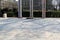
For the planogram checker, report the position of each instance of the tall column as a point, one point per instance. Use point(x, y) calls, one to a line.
point(0, 4)
point(43, 8)
point(31, 8)
point(20, 8)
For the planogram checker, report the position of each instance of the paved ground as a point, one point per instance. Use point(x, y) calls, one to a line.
point(30, 29)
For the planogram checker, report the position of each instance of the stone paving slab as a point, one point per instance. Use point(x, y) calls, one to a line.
point(30, 29)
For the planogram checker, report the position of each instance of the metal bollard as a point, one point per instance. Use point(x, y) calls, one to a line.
point(5, 15)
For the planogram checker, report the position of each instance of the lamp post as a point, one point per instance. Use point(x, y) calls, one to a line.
point(55, 3)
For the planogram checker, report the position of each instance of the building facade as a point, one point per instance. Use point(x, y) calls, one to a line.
point(44, 8)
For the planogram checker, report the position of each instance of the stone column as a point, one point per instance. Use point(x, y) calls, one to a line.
point(43, 8)
point(31, 8)
point(20, 8)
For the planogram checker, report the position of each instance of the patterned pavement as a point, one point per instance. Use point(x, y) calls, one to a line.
point(30, 29)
